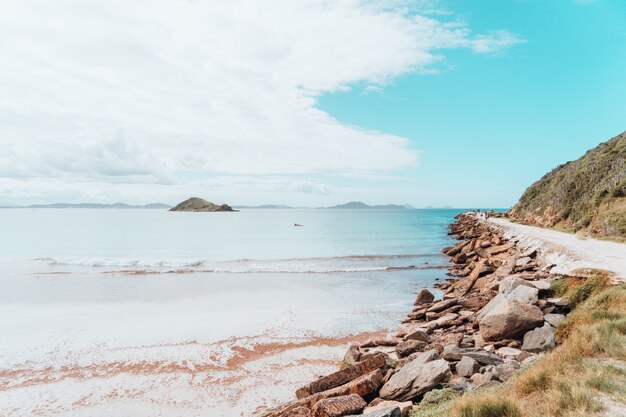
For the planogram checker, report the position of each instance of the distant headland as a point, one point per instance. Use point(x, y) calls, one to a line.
point(361, 205)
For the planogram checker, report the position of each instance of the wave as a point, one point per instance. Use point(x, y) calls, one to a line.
point(339, 264)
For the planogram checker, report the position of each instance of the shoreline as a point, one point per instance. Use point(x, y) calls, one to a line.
point(496, 316)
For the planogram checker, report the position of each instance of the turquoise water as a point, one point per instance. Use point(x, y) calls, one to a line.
point(234, 273)
point(247, 241)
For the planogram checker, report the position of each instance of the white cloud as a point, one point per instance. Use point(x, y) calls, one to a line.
point(138, 92)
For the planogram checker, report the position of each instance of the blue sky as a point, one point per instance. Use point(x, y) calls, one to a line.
point(488, 127)
point(304, 102)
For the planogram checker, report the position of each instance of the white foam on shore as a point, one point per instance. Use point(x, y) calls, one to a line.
point(179, 346)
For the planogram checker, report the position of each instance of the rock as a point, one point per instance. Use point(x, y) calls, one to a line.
point(554, 319)
point(495, 301)
point(352, 356)
point(423, 297)
point(451, 352)
point(478, 340)
point(524, 294)
point(474, 302)
point(338, 406)
point(510, 283)
point(407, 347)
point(445, 321)
point(384, 412)
point(414, 379)
point(522, 262)
point(442, 305)
point(540, 284)
point(479, 380)
point(418, 334)
point(467, 367)
point(297, 412)
point(508, 352)
point(523, 356)
point(424, 357)
point(504, 371)
point(403, 407)
point(199, 204)
point(506, 268)
point(343, 376)
point(540, 339)
point(495, 250)
point(510, 319)
point(385, 342)
point(557, 302)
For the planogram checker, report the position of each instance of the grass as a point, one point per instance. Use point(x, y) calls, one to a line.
point(435, 403)
point(568, 381)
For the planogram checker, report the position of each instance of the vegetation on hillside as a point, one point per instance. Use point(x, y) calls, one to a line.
point(587, 194)
point(584, 376)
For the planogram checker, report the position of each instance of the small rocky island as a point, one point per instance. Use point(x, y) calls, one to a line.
point(200, 204)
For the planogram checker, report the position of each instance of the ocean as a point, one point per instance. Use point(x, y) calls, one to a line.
point(150, 312)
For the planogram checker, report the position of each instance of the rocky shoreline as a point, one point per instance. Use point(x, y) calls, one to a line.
point(496, 316)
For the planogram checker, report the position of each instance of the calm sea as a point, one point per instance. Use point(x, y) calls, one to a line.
point(89, 293)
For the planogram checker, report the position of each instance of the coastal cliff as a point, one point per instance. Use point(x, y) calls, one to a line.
point(200, 205)
point(588, 194)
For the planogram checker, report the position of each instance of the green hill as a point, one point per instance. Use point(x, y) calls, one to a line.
point(587, 194)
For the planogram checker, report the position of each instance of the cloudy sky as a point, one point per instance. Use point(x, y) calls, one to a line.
point(304, 102)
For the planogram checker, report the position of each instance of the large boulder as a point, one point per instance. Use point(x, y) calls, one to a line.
point(415, 378)
point(338, 406)
point(510, 320)
point(540, 339)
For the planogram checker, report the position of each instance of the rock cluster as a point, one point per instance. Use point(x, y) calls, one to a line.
point(492, 320)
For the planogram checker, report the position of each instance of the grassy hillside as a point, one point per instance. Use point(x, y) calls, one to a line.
point(587, 194)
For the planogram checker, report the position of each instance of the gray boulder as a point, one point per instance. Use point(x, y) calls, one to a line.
point(554, 319)
point(467, 367)
point(540, 339)
point(524, 294)
point(414, 379)
point(509, 320)
point(508, 284)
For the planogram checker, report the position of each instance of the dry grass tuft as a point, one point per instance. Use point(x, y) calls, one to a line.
point(567, 382)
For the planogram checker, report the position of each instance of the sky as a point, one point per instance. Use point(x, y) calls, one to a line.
point(459, 103)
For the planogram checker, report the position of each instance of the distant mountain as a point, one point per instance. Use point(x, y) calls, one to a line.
point(200, 205)
point(99, 206)
point(361, 205)
point(265, 206)
point(587, 194)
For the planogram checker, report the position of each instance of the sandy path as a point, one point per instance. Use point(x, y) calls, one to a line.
point(567, 251)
